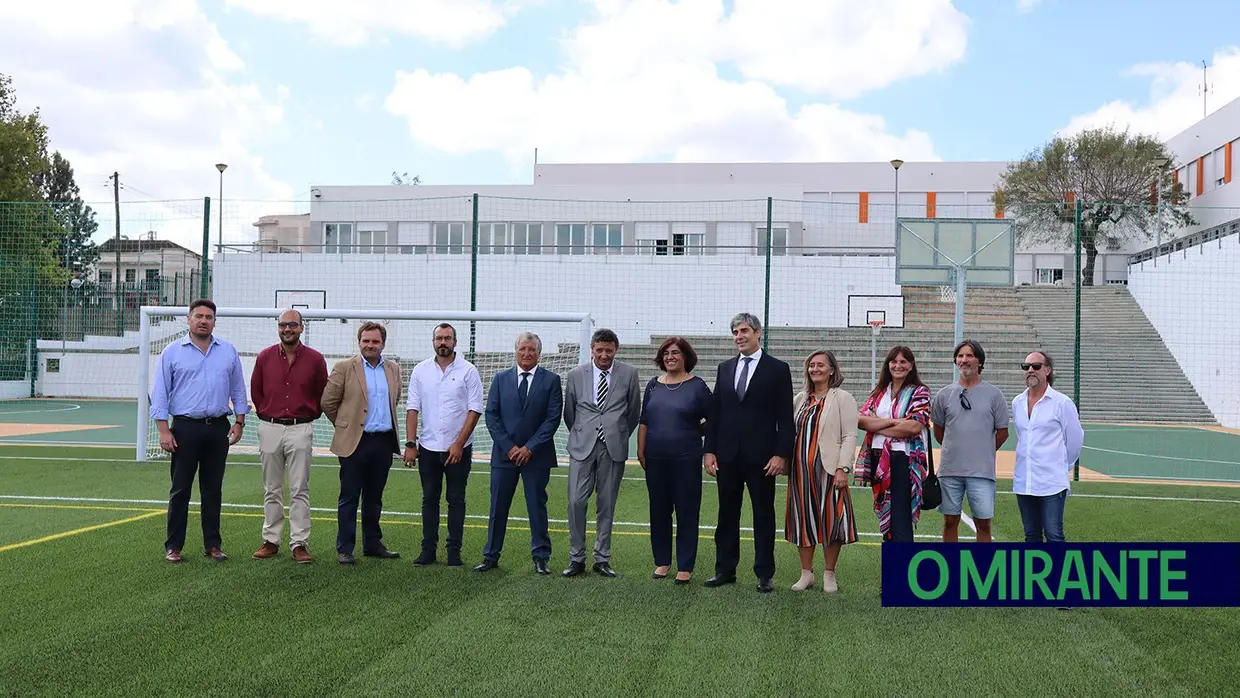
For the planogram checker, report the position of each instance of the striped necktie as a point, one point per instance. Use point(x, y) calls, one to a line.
point(602, 399)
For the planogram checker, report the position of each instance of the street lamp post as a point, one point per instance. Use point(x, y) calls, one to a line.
point(895, 164)
point(220, 241)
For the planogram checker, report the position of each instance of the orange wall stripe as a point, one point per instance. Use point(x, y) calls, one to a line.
point(998, 204)
point(863, 209)
point(1227, 164)
point(930, 204)
point(1201, 175)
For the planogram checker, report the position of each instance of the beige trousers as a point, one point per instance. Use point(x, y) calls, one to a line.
point(286, 452)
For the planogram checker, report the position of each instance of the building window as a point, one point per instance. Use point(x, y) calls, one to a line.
point(492, 238)
point(372, 238)
point(608, 238)
point(105, 277)
point(1049, 277)
point(449, 238)
point(570, 238)
point(688, 243)
point(527, 238)
point(337, 238)
point(779, 241)
point(131, 275)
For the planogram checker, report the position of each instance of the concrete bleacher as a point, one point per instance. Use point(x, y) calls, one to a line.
point(1009, 323)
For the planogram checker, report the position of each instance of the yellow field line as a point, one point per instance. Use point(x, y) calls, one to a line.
point(398, 522)
point(76, 531)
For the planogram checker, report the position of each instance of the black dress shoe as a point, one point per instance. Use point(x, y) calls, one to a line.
point(540, 567)
point(574, 569)
point(766, 586)
point(427, 557)
point(487, 565)
point(345, 558)
point(454, 558)
point(720, 579)
point(605, 569)
point(381, 552)
point(678, 580)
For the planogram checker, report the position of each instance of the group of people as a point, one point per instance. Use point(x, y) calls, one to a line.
point(747, 428)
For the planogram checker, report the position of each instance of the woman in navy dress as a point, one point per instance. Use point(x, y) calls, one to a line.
point(669, 448)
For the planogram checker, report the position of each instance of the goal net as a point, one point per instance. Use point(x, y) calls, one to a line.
point(486, 339)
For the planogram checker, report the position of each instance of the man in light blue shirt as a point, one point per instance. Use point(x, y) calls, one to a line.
point(198, 383)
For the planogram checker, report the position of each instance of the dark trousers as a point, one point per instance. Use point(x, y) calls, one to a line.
point(433, 470)
point(733, 479)
point(503, 487)
point(674, 485)
point(901, 529)
point(202, 448)
point(363, 476)
point(1042, 515)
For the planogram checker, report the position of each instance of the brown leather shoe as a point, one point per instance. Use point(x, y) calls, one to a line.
point(216, 554)
point(268, 550)
point(173, 555)
point(301, 555)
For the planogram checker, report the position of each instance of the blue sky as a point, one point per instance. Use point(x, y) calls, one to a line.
point(297, 93)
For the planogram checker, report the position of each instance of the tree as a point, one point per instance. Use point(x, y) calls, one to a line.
point(72, 244)
point(23, 148)
point(1113, 174)
point(401, 179)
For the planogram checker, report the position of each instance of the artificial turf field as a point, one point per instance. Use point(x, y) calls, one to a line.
point(98, 611)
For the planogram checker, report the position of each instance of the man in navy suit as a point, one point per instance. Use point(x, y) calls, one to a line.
point(750, 437)
point(522, 414)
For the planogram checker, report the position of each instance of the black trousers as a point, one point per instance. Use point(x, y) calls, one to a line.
point(433, 469)
point(363, 476)
point(734, 478)
point(202, 448)
point(901, 529)
point(674, 485)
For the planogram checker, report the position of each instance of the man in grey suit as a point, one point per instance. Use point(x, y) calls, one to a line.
point(602, 403)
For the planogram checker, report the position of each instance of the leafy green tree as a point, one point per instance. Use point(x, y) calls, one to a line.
point(1113, 174)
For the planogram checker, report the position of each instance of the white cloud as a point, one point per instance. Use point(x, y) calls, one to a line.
point(1175, 97)
point(1025, 6)
point(643, 81)
point(356, 22)
point(148, 89)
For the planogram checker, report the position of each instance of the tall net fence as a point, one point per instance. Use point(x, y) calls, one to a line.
point(814, 271)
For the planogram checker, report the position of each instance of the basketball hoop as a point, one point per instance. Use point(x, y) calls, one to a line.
point(876, 325)
point(876, 319)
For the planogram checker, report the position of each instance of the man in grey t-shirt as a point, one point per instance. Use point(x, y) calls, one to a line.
point(971, 422)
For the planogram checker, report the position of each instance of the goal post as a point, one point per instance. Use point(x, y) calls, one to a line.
point(333, 332)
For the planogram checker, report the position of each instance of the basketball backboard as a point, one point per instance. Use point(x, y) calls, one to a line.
point(301, 299)
point(863, 309)
point(929, 250)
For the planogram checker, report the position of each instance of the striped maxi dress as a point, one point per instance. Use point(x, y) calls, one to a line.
point(811, 518)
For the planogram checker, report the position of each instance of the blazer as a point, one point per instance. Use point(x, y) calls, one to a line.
point(837, 429)
point(760, 426)
point(619, 416)
point(344, 403)
point(532, 426)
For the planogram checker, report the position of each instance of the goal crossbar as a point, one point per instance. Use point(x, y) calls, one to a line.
point(585, 321)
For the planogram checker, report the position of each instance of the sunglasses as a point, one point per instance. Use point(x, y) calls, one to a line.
point(964, 401)
point(1026, 367)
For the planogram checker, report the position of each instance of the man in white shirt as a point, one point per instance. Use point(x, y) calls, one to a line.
point(1049, 439)
point(446, 392)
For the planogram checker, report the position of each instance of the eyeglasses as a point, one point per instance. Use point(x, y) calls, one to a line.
point(288, 325)
point(1026, 367)
point(964, 401)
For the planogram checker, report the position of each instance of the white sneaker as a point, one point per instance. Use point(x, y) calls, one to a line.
point(828, 582)
point(806, 580)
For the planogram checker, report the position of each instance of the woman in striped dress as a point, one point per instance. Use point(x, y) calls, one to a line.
point(819, 508)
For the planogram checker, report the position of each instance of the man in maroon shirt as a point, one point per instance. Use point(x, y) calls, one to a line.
point(288, 382)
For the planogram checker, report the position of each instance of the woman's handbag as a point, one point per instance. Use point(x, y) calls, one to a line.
point(931, 494)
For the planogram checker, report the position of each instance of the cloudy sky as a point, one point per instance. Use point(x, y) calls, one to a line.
point(296, 93)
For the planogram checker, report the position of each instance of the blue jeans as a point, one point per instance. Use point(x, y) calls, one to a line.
point(1042, 515)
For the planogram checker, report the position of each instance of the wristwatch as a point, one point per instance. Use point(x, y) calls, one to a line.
point(411, 444)
point(847, 469)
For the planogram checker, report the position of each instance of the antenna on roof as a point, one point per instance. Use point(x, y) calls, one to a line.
point(1204, 88)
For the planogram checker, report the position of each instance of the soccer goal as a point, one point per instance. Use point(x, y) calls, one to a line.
point(486, 339)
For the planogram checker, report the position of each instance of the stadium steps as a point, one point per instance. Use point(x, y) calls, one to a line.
point(1127, 372)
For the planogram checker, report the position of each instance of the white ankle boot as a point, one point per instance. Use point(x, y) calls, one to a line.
point(828, 582)
point(806, 580)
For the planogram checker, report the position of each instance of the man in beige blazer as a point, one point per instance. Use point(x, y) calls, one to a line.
point(360, 402)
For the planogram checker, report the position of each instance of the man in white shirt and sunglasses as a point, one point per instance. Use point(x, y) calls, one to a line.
point(1049, 439)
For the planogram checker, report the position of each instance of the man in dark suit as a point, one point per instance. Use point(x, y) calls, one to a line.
point(523, 413)
point(750, 437)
